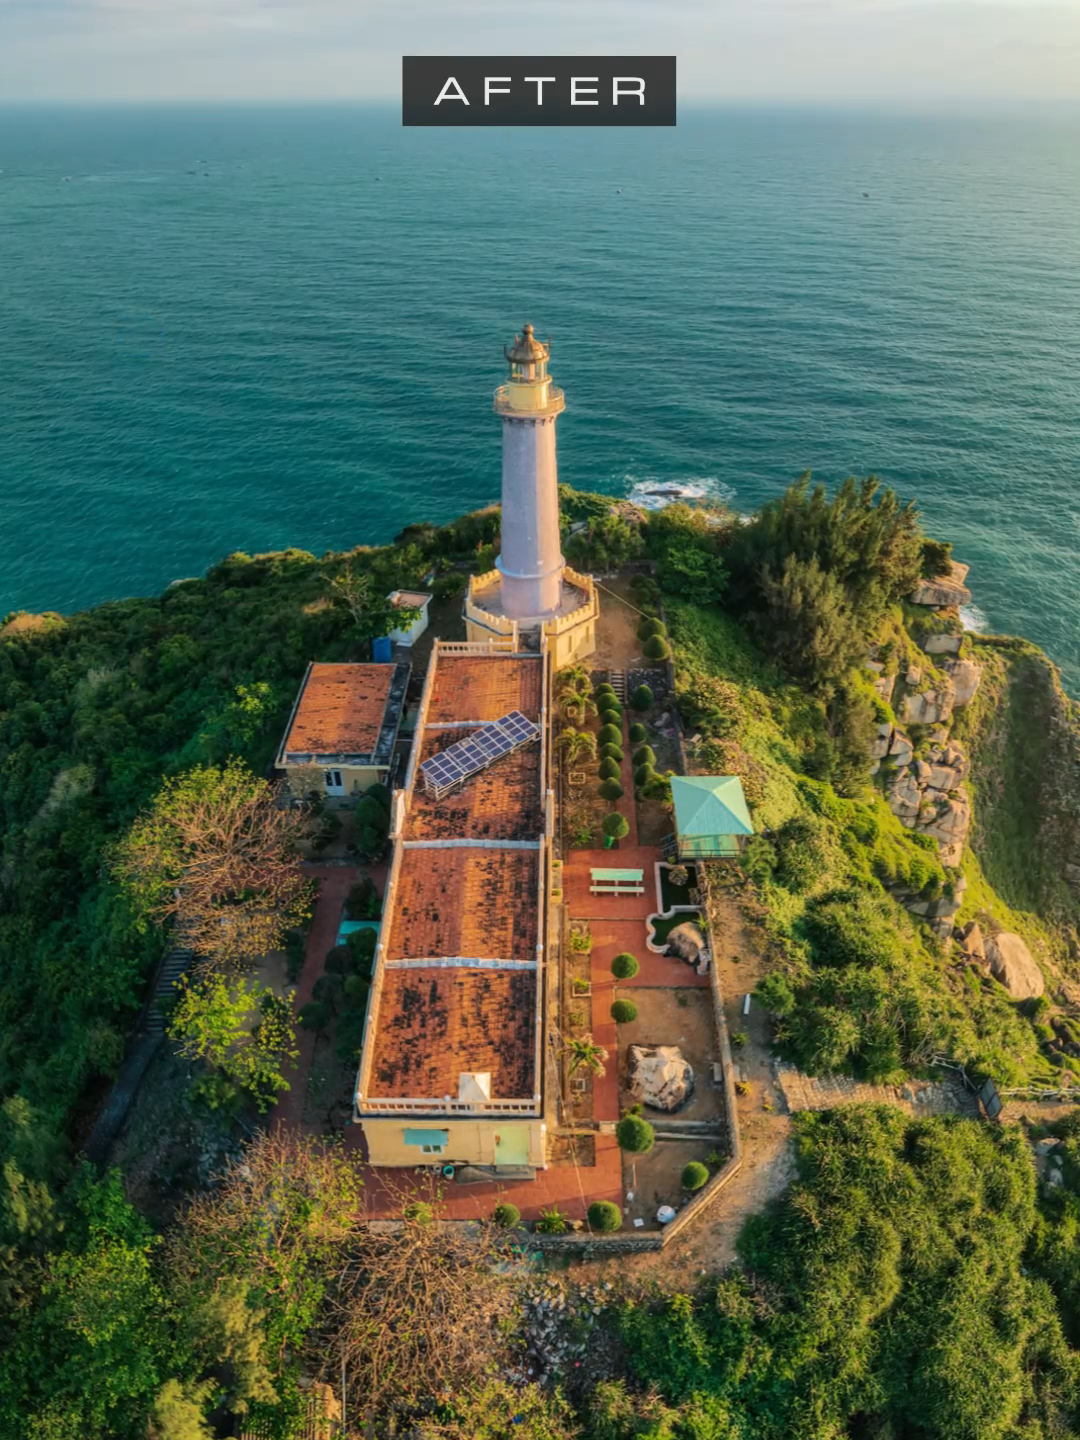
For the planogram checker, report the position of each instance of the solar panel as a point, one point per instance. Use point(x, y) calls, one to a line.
point(478, 750)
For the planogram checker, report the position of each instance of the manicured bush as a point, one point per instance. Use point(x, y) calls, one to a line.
point(295, 954)
point(379, 793)
point(635, 1135)
point(642, 698)
point(419, 1212)
point(645, 755)
point(657, 648)
point(315, 1015)
point(616, 826)
point(644, 775)
point(611, 790)
point(601, 690)
point(694, 1175)
point(611, 715)
point(506, 1215)
point(610, 769)
point(338, 960)
point(356, 990)
point(625, 966)
point(623, 1012)
point(361, 947)
point(648, 628)
point(609, 735)
point(611, 751)
point(328, 990)
point(362, 902)
point(637, 733)
point(604, 1216)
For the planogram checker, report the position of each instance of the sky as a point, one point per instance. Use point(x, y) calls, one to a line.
point(912, 53)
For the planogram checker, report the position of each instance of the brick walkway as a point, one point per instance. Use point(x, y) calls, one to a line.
point(335, 882)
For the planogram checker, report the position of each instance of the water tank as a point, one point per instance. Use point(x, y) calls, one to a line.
point(382, 649)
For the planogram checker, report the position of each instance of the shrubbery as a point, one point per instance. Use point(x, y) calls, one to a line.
point(694, 1175)
point(623, 1012)
point(625, 966)
point(635, 1135)
point(604, 1216)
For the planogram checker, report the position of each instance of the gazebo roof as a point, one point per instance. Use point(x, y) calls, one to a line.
point(710, 805)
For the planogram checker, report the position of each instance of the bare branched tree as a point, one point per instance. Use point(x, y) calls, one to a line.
point(217, 853)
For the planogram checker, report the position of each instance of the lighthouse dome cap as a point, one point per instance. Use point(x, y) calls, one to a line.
point(526, 349)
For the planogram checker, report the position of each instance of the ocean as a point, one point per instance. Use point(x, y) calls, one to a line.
point(244, 329)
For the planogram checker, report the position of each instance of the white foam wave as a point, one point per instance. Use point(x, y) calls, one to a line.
point(972, 618)
point(652, 493)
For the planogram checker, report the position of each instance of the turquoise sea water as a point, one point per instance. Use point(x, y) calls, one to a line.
point(246, 329)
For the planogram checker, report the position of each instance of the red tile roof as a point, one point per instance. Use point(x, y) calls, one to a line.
point(340, 711)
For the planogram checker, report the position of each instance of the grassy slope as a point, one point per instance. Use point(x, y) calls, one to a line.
point(942, 1008)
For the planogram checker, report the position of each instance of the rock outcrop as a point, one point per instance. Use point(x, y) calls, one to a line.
point(949, 824)
point(964, 676)
point(944, 591)
point(972, 942)
point(1013, 965)
point(929, 707)
point(943, 644)
point(686, 942)
point(924, 794)
point(659, 1076)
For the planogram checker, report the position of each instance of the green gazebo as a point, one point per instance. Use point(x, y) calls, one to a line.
point(711, 818)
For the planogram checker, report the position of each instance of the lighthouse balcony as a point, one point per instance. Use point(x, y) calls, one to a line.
point(570, 630)
point(529, 399)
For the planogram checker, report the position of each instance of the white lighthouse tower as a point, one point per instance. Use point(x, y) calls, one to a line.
point(532, 592)
point(531, 562)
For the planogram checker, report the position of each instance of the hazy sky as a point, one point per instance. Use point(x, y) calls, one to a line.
point(919, 52)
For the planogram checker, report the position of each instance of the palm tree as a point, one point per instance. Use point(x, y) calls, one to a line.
point(575, 678)
point(585, 1055)
point(574, 745)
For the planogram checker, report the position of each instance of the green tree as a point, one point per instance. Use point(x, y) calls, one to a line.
point(241, 1028)
point(635, 1135)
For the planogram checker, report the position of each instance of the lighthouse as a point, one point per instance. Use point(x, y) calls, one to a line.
point(530, 562)
point(531, 593)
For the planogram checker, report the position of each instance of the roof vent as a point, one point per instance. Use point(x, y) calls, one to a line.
point(474, 1085)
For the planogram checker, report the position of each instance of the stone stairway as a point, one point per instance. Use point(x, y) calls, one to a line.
point(809, 1092)
point(617, 681)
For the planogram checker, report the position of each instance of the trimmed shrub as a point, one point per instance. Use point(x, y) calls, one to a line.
point(612, 717)
point(646, 755)
point(605, 689)
point(623, 1012)
point(356, 990)
point(637, 733)
point(611, 790)
point(625, 966)
point(295, 954)
point(616, 825)
point(694, 1175)
point(610, 769)
point(609, 735)
point(338, 960)
point(648, 628)
point(328, 990)
point(657, 648)
point(611, 751)
point(644, 775)
point(604, 1216)
point(642, 698)
point(362, 902)
point(635, 1135)
point(381, 794)
point(361, 947)
point(506, 1215)
point(314, 1015)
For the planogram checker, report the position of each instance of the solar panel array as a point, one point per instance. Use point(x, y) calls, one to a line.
point(468, 757)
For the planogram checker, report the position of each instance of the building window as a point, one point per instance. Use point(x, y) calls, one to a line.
point(334, 783)
point(431, 1149)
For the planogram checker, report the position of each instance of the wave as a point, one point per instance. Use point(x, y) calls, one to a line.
point(653, 493)
point(972, 618)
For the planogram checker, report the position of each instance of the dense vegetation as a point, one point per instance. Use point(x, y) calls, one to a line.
point(911, 1283)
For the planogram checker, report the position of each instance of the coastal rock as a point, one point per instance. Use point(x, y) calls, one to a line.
point(941, 777)
point(944, 591)
point(686, 942)
point(901, 750)
point(943, 644)
point(929, 707)
point(659, 1076)
point(921, 771)
point(1012, 964)
point(883, 688)
point(949, 826)
point(972, 942)
point(904, 798)
point(965, 676)
point(914, 675)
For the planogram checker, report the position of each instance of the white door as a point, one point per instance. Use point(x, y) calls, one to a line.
point(334, 783)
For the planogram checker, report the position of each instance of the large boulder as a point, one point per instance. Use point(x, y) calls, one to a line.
point(943, 644)
point(965, 676)
point(901, 749)
point(928, 707)
point(1012, 963)
point(944, 590)
point(659, 1076)
point(972, 941)
point(686, 942)
point(949, 826)
point(904, 798)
